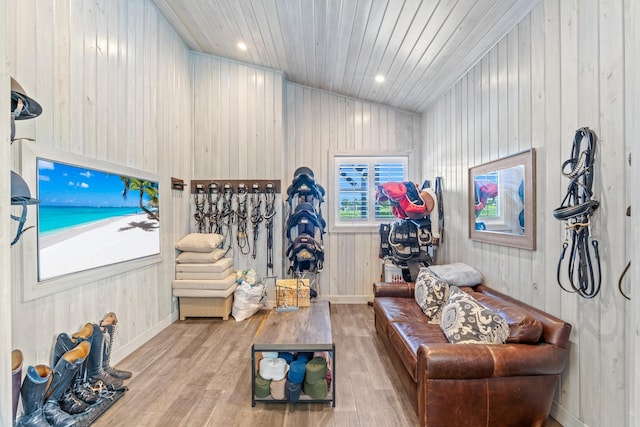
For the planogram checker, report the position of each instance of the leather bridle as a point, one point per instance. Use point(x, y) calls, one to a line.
point(199, 215)
point(583, 266)
point(242, 238)
point(215, 226)
point(256, 216)
point(269, 214)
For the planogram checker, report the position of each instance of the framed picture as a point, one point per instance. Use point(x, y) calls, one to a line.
point(95, 219)
point(502, 201)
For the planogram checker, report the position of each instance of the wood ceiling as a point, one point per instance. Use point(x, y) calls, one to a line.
point(420, 47)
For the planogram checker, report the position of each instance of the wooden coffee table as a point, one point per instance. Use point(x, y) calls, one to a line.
point(308, 329)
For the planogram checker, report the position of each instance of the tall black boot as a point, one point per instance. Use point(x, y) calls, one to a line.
point(16, 377)
point(79, 387)
point(32, 393)
point(63, 344)
point(95, 372)
point(63, 375)
point(109, 323)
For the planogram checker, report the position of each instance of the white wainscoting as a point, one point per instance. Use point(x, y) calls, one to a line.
point(238, 134)
point(5, 209)
point(559, 69)
point(114, 82)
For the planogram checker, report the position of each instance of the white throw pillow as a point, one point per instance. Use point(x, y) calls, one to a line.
point(199, 242)
point(200, 257)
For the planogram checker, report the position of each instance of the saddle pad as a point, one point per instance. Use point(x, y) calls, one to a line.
point(189, 275)
point(205, 284)
point(205, 293)
point(210, 267)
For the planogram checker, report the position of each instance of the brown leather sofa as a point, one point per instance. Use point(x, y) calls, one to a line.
point(496, 385)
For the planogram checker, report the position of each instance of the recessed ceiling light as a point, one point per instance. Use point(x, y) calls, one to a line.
point(242, 46)
point(380, 78)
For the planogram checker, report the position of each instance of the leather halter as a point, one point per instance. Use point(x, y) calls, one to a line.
point(583, 267)
point(199, 215)
point(256, 216)
point(269, 214)
point(242, 238)
point(215, 225)
point(227, 216)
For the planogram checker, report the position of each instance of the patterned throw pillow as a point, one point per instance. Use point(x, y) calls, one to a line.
point(465, 321)
point(431, 293)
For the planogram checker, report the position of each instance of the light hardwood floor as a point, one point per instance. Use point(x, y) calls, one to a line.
point(197, 373)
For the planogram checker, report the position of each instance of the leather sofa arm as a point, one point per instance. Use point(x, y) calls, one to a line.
point(398, 290)
point(464, 361)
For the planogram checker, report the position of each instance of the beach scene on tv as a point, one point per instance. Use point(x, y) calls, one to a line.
point(89, 218)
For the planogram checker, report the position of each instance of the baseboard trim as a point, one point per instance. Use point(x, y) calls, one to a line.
point(348, 299)
point(564, 417)
point(138, 341)
point(335, 299)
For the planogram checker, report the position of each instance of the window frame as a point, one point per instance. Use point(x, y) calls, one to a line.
point(371, 224)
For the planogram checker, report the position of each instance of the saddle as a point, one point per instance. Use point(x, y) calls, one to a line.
point(305, 254)
point(306, 220)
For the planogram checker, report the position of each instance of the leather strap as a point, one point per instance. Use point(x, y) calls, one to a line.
point(583, 266)
point(242, 238)
point(269, 214)
point(256, 216)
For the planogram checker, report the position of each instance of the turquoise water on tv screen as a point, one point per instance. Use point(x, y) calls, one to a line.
point(57, 218)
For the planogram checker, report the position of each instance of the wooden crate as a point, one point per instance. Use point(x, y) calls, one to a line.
point(286, 293)
point(205, 307)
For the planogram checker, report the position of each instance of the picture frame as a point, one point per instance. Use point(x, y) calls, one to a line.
point(50, 262)
point(502, 203)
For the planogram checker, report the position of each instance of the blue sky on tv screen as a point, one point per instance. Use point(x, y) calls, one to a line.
point(60, 184)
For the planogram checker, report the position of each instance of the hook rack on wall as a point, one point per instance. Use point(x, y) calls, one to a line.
point(177, 184)
point(201, 185)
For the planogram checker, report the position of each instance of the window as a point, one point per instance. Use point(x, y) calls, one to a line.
point(357, 178)
point(487, 193)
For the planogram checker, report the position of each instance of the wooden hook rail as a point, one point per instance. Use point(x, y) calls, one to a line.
point(202, 185)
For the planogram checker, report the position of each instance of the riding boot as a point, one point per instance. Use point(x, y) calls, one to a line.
point(81, 386)
point(16, 376)
point(63, 344)
point(109, 323)
point(95, 372)
point(63, 374)
point(82, 389)
point(32, 393)
point(71, 404)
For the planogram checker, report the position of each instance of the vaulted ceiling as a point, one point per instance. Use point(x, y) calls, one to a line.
point(421, 48)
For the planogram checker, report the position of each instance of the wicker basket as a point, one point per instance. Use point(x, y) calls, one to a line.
point(205, 307)
point(286, 293)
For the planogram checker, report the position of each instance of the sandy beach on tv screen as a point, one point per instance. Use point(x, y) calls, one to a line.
point(97, 244)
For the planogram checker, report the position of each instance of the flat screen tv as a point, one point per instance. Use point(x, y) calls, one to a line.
point(89, 218)
point(95, 219)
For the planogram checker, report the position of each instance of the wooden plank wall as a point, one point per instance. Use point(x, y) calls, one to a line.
point(250, 123)
point(632, 126)
point(114, 82)
point(560, 68)
point(319, 123)
point(238, 134)
point(5, 239)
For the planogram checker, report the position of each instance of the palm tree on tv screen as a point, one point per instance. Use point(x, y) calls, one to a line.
point(144, 188)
